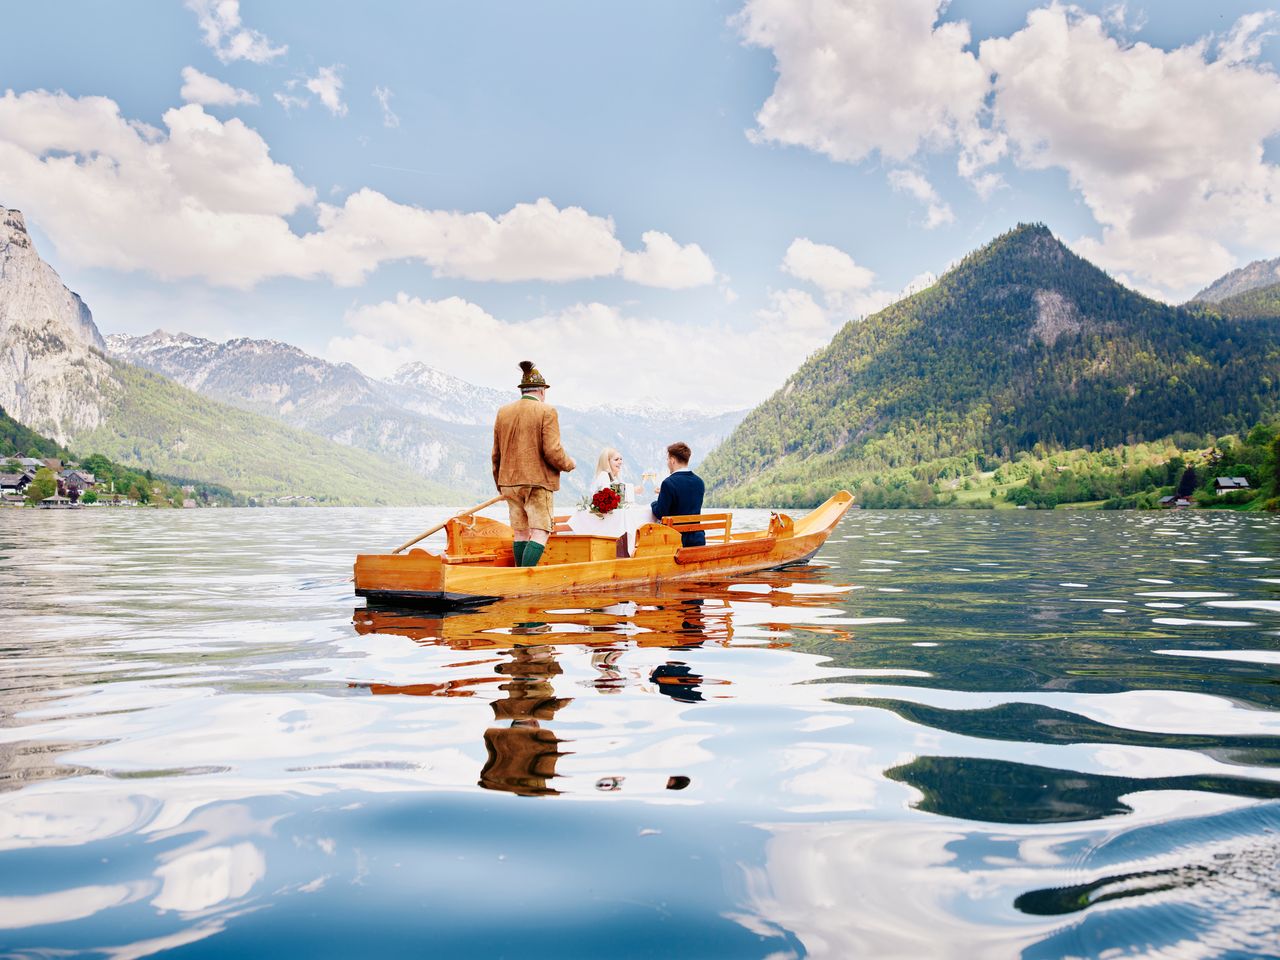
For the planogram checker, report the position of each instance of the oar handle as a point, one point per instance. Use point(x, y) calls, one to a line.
point(440, 526)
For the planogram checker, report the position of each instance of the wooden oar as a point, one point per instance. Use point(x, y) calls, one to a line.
point(440, 526)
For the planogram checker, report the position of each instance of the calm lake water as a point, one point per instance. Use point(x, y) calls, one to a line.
point(955, 735)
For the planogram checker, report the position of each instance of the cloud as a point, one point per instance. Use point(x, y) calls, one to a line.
point(847, 288)
point(327, 85)
point(531, 241)
point(290, 102)
point(203, 198)
point(1166, 148)
point(201, 88)
point(829, 268)
point(863, 77)
point(665, 263)
point(591, 351)
point(915, 184)
point(1244, 41)
point(227, 37)
point(383, 96)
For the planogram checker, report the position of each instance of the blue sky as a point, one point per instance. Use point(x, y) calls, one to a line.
point(725, 183)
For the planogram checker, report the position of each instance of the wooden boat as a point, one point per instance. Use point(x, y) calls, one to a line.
point(478, 566)
point(678, 614)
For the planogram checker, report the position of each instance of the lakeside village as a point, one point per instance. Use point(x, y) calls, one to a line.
point(1178, 483)
point(51, 483)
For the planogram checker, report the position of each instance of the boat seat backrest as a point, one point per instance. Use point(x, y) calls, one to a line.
point(712, 523)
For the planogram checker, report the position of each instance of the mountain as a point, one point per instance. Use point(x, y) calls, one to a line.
point(1255, 302)
point(52, 372)
point(1023, 346)
point(436, 424)
point(56, 379)
point(19, 441)
point(1260, 273)
point(440, 396)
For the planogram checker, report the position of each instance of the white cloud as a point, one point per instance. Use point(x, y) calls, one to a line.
point(206, 200)
point(1244, 41)
point(383, 96)
point(861, 77)
point(531, 241)
point(828, 267)
point(847, 288)
point(327, 85)
point(591, 351)
point(227, 37)
point(665, 263)
point(290, 102)
point(201, 88)
point(914, 183)
point(1164, 147)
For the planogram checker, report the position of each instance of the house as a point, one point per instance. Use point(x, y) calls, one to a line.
point(77, 478)
point(1229, 485)
point(1174, 502)
point(55, 503)
point(30, 463)
point(188, 504)
point(53, 463)
point(14, 482)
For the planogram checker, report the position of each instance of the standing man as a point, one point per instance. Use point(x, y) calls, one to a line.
point(681, 493)
point(527, 462)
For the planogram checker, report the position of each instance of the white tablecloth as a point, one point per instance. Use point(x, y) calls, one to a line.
point(624, 520)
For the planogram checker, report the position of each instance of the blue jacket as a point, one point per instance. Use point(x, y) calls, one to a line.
point(680, 494)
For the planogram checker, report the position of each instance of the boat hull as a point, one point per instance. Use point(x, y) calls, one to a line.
point(477, 567)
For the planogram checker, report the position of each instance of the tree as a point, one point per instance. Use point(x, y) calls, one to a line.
point(1188, 482)
point(44, 485)
point(89, 497)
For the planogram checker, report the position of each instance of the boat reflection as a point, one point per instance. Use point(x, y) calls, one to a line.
point(528, 636)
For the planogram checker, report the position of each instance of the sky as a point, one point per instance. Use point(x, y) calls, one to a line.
point(673, 202)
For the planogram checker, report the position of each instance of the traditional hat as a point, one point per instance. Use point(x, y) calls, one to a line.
point(532, 378)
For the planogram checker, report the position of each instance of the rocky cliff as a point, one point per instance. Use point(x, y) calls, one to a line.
point(53, 375)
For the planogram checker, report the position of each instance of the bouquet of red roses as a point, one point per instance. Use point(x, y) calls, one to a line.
point(605, 501)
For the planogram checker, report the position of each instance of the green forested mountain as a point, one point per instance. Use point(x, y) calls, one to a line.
point(19, 441)
point(1023, 346)
point(1259, 302)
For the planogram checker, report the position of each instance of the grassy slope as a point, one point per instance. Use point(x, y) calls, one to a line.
point(163, 426)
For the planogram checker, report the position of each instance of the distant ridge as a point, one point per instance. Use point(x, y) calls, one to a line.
point(436, 424)
point(1260, 273)
point(1023, 346)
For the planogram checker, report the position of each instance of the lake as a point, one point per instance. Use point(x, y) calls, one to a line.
point(955, 734)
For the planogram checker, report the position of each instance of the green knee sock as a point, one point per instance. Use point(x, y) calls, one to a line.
point(532, 554)
point(518, 546)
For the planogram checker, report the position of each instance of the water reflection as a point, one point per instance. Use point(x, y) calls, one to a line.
point(521, 755)
point(953, 735)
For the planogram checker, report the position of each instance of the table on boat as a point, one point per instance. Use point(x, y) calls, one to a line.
point(625, 520)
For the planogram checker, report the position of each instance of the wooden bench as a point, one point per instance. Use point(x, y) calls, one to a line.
point(712, 523)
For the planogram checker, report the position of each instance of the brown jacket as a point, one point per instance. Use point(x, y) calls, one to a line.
point(526, 446)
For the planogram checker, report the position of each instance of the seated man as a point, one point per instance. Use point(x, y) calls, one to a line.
point(681, 493)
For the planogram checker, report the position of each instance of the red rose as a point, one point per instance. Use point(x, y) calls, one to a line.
point(605, 501)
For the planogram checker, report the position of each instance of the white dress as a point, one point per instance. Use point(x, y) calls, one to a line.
point(623, 520)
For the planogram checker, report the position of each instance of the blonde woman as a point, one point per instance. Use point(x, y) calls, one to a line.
point(622, 522)
point(609, 472)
